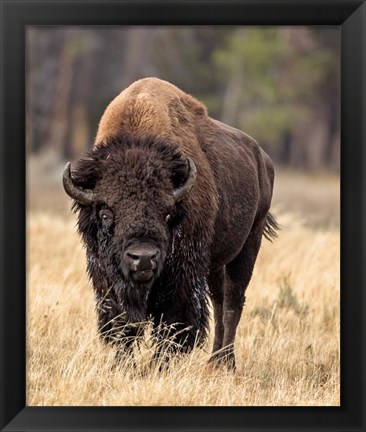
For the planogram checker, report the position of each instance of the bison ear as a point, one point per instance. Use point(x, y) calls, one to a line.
point(79, 194)
point(80, 183)
point(182, 191)
point(180, 171)
point(87, 173)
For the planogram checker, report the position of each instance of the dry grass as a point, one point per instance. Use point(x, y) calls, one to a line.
point(287, 343)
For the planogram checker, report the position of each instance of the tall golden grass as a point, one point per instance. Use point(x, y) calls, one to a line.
point(287, 345)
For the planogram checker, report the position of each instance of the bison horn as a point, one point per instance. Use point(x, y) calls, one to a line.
point(184, 190)
point(83, 196)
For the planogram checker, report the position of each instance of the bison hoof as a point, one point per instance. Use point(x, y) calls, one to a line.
point(223, 358)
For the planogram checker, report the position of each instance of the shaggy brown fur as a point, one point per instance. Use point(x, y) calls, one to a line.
point(210, 244)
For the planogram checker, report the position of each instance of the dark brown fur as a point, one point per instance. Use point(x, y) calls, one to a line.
point(211, 242)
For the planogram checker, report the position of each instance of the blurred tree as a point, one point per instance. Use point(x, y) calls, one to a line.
point(43, 55)
point(283, 88)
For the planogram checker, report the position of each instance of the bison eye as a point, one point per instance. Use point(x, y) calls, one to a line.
point(106, 216)
point(167, 218)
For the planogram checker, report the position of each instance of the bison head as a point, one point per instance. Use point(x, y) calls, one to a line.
point(129, 193)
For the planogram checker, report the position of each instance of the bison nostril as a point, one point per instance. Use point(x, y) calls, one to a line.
point(154, 256)
point(132, 256)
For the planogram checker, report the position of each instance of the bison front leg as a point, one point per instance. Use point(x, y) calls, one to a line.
point(180, 317)
point(172, 338)
point(114, 329)
point(238, 274)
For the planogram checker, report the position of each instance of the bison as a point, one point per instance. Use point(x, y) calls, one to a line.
point(172, 206)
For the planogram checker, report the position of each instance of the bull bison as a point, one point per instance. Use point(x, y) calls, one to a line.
point(172, 206)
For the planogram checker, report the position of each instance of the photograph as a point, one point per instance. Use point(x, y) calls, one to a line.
point(183, 215)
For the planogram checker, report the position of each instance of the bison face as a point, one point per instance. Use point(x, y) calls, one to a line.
point(130, 197)
point(133, 231)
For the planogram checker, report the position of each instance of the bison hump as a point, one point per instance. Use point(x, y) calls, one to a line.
point(149, 107)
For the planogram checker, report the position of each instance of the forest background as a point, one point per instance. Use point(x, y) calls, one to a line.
point(280, 85)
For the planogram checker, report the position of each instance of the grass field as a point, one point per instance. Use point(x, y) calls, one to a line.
point(287, 344)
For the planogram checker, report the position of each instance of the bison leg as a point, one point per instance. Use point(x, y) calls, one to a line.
point(114, 329)
point(179, 319)
point(216, 285)
point(174, 337)
point(238, 274)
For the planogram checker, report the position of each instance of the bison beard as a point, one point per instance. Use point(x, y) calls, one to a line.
point(172, 206)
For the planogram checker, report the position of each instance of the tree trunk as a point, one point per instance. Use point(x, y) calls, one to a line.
point(234, 89)
point(60, 124)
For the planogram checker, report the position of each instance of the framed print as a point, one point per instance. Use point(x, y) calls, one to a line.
point(120, 306)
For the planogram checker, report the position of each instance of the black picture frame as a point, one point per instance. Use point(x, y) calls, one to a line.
point(350, 15)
